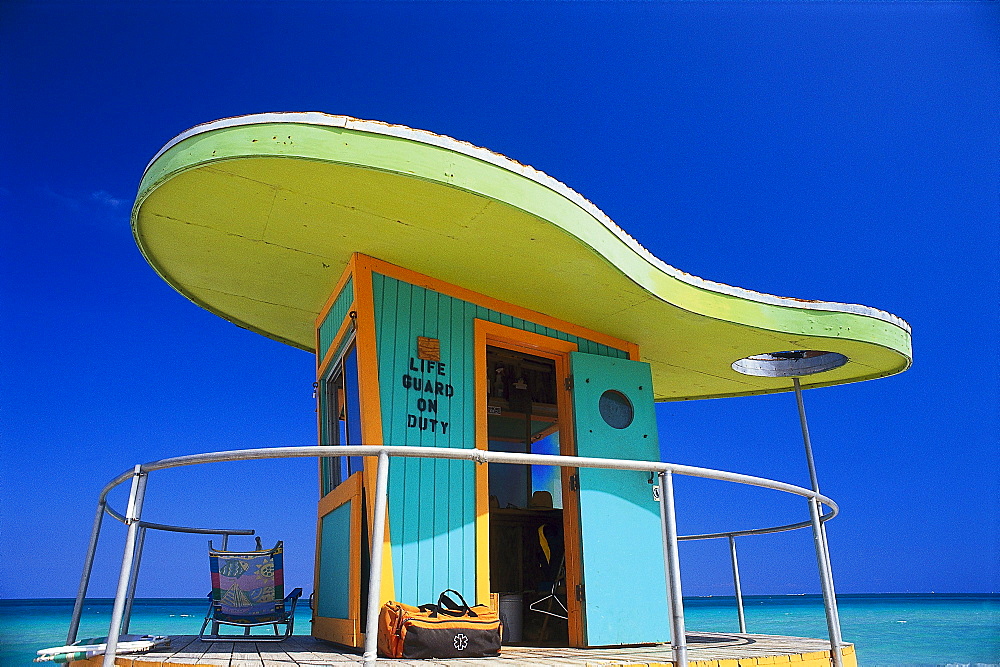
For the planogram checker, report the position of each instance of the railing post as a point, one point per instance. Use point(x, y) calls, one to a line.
point(375, 573)
point(672, 568)
point(133, 579)
point(826, 583)
point(132, 517)
point(736, 585)
point(88, 566)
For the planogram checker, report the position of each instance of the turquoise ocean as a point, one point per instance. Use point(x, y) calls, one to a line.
point(890, 629)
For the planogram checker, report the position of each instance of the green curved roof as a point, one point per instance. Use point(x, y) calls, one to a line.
point(255, 218)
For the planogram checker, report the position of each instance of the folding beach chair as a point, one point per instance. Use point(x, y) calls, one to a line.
point(247, 591)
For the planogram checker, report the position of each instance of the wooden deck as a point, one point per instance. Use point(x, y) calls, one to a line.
point(705, 649)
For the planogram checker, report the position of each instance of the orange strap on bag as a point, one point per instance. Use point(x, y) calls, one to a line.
point(443, 630)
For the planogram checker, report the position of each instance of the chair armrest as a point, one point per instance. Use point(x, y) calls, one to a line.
point(211, 608)
point(294, 598)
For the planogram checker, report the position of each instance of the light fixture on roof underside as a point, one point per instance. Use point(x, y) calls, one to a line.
point(789, 363)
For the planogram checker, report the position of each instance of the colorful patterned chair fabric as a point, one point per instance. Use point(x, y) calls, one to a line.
point(248, 590)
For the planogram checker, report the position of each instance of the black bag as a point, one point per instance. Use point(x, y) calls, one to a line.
point(443, 630)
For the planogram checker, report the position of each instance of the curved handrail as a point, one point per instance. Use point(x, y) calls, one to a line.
point(756, 531)
point(114, 514)
point(482, 456)
point(139, 473)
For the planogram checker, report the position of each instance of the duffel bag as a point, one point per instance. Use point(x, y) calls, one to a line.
point(443, 630)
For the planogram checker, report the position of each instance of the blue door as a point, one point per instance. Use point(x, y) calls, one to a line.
point(624, 592)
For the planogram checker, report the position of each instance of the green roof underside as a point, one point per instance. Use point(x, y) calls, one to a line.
point(255, 220)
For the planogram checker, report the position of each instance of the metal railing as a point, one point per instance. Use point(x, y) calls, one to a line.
point(136, 528)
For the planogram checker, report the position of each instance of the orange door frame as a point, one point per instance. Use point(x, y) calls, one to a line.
point(497, 335)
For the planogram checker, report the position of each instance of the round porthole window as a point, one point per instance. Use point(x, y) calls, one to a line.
point(616, 409)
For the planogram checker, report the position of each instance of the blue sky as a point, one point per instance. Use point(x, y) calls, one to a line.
point(832, 150)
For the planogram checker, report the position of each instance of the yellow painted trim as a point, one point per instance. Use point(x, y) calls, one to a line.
point(482, 472)
point(319, 438)
point(319, 421)
point(321, 367)
point(316, 344)
point(343, 631)
point(449, 289)
point(571, 507)
point(354, 574)
point(337, 339)
point(345, 491)
point(490, 333)
point(338, 630)
point(541, 435)
point(344, 277)
point(371, 405)
point(527, 341)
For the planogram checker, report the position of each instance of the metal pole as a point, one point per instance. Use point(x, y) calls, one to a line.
point(805, 435)
point(130, 596)
point(132, 517)
point(672, 567)
point(88, 566)
point(813, 477)
point(829, 577)
point(375, 573)
point(819, 535)
point(736, 584)
point(826, 582)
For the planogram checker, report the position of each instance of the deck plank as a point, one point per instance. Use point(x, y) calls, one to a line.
point(302, 650)
point(307, 650)
point(245, 655)
point(218, 654)
point(183, 650)
point(273, 654)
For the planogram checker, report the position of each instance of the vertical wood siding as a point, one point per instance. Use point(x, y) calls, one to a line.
point(331, 323)
point(432, 503)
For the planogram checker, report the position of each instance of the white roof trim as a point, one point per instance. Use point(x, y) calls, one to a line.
point(486, 155)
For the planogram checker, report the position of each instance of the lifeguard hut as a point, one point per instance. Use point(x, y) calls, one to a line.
point(456, 298)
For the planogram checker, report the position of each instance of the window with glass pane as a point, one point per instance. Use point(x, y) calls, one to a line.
point(334, 425)
point(341, 425)
point(353, 409)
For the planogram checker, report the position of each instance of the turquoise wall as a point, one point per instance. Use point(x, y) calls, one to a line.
point(432, 503)
point(335, 317)
point(332, 598)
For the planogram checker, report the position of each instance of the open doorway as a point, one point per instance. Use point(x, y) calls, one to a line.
point(526, 509)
